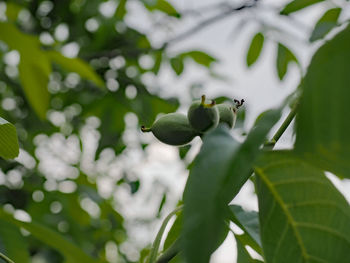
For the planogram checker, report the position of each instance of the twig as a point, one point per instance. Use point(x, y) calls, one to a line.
point(208, 21)
point(283, 127)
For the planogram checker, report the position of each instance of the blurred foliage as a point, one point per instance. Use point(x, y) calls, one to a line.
point(71, 75)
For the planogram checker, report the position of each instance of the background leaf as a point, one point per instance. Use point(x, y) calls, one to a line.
point(303, 217)
point(200, 57)
point(297, 5)
point(12, 243)
point(71, 252)
point(163, 6)
point(325, 24)
point(322, 127)
point(220, 169)
point(177, 65)
point(284, 57)
point(76, 65)
point(9, 147)
point(255, 48)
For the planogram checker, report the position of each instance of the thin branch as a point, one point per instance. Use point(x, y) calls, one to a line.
point(208, 21)
point(6, 259)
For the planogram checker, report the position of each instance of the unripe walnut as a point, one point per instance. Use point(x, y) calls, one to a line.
point(202, 116)
point(172, 129)
point(227, 114)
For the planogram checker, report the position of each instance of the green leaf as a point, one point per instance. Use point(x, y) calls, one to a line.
point(120, 12)
point(33, 73)
point(156, 243)
point(255, 48)
point(9, 147)
point(163, 6)
point(76, 65)
point(323, 126)
point(249, 223)
point(284, 57)
point(296, 5)
point(13, 243)
point(242, 254)
point(12, 11)
point(34, 76)
point(174, 232)
point(219, 171)
point(157, 61)
point(303, 217)
point(325, 24)
point(71, 252)
point(177, 65)
point(200, 57)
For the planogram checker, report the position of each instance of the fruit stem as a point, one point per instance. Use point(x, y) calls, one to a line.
point(144, 129)
point(203, 100)
point(6, 259)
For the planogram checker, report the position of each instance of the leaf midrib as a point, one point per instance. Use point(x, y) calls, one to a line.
point(289, 217)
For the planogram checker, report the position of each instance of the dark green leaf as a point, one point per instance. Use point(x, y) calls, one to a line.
point(248, 222)
point(183, 150)
point(284, 57)
point(177, 65)
point(303, 217)
point(13, 243)
point(242, 254)
point(325, 24)
point(255, 48)
point(76, 65)
point(296, 5)
point(9, 148)
point(219, 171)
point(200, 57)
point(323, 126)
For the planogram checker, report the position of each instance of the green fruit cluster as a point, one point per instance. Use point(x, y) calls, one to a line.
point(178, 129)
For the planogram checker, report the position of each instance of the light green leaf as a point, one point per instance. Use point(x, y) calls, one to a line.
point(296, 5)
point(120, 12)
point(325, 24)
point(71, 252)
point(163, 6)
point(255, 48)
point(33, 73)
point(13, 243)
point(76, 65)
point(284, 57)
point(303, 217)
point(9, 147)
point(34, 76)
point(12, 10)
point(177, 65)
point(323, 126)
point(157, 61)
point(200, 57)
point(219, 171)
